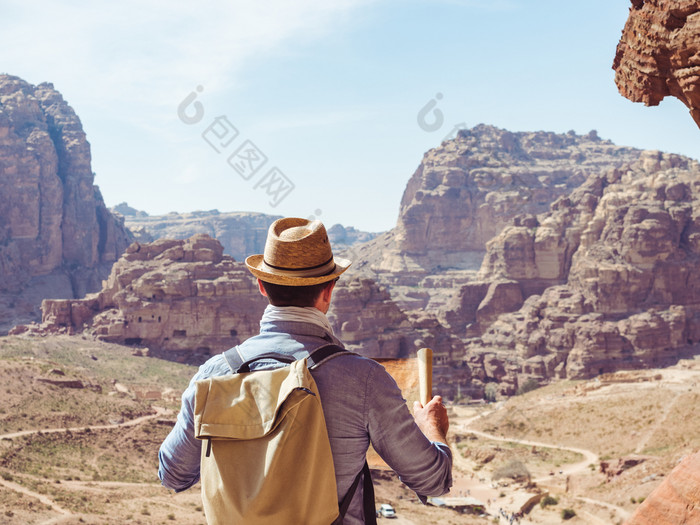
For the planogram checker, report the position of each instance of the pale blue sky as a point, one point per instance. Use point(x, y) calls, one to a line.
point(329, 92)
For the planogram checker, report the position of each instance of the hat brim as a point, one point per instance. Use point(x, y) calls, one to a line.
point(254, 263)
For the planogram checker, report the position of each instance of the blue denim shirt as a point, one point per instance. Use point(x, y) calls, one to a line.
point(361, 403)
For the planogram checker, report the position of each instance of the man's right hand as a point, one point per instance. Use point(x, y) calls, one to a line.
point(432, 419)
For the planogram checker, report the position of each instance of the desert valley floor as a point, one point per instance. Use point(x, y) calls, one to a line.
point(82, 422)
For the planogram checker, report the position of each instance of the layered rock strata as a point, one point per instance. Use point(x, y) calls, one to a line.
point(57, 238)
point(609, 279)
point(468, 189)
point(658, 53)
point(463, 194)
point(185, 300)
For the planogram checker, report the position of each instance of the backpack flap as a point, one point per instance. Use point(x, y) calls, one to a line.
point(268, 459)
point(250, 405)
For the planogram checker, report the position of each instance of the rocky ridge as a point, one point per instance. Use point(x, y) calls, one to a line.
point(240, 233)
point(57, 238)
point(599, 278)
point(599, 281)
point(463, 194)
point(185, 300)
point(466, 190)
point(657, 53)
point(604, 281)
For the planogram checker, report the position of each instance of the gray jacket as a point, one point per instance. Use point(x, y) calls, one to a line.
point(361, 403)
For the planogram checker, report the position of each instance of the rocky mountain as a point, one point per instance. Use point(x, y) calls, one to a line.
point(463, 194)
point(590, 276)
point(566, 257)
point(57, 238)
point(657, 53)
point(185, 300)
point(466, 190)
point(241, 233)
point(606, 280)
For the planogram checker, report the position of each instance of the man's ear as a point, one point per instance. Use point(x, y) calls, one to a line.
point(328, 291)
point(261, 288)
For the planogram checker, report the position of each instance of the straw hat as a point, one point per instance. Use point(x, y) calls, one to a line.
point(297, 253)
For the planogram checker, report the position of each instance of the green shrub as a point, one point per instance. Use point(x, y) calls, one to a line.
point(567, 514)
point(548, 500)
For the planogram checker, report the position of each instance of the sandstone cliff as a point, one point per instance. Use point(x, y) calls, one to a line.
point(184, 300)
point(56, 236)
point(466, 190)
point(591, 272)
point(613, 271)
point(657, 53)
point(462, 195)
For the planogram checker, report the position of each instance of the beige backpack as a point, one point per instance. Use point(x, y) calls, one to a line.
point(267, 458)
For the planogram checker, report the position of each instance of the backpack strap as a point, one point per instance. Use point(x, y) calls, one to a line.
point(367, 498)
point(323, 353)
point(316, 357)
point(233, 358)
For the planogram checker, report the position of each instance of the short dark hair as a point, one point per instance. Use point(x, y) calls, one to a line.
point(281, 295)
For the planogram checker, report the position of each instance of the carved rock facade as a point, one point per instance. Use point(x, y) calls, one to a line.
point(184, 300)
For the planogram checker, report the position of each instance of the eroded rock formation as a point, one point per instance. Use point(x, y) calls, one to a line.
point(609, 275)
point(380, 330)
point(57, 239)
point(468, 189)
point(658, 53)
point(184, 300)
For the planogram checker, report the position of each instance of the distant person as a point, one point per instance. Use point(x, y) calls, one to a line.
point(361, 401)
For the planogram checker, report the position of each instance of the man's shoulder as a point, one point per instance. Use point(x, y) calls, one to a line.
point(214, 366)
point(351, 362)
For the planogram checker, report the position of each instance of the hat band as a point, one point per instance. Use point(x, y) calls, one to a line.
point(315, 271)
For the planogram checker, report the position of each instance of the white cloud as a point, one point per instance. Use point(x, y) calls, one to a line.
point(116, 55)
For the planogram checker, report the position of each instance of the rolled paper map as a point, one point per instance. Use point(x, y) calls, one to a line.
point(425, 374)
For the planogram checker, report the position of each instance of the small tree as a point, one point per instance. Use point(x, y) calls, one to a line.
point(491, 392)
